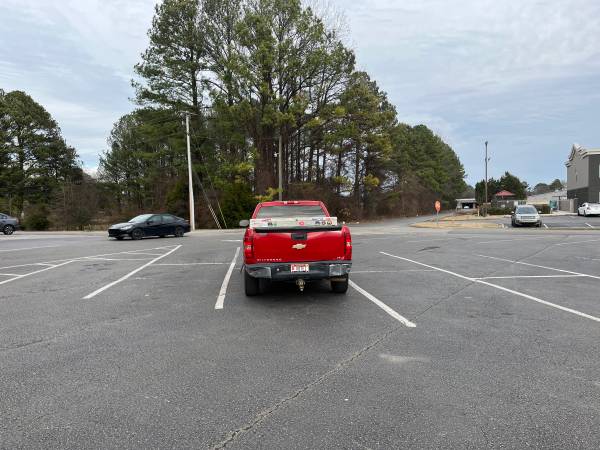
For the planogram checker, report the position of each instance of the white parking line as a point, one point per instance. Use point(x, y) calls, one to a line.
point(510, 277)
point(545, 226)
point(78, 258)
point(392, 271)
point(18, 277)
point(520, 294)
point(541, 267)
point(28, 248)
point(142, 253)
point(589, 225)
point(192, 264)
point(578, 242)
point(223, 291)
point(9, 274)
point(514, 239)
point(133, 272)
point(403, 320)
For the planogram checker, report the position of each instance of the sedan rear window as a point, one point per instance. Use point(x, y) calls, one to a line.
point(290, 211)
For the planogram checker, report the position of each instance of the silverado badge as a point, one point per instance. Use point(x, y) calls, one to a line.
point(298, 246)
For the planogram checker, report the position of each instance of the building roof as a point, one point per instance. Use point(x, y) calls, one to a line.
point(504, 194)
point(583, 152)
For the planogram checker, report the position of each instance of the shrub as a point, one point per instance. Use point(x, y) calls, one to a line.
point(543, 209)
point(494, 211)
point(36, 218)
point(237, 203)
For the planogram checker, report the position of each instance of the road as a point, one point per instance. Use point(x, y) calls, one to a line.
point(562, 222)
point(447, 339)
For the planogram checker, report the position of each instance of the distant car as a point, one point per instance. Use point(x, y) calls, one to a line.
point(150, 225)
point(8, 224)
point(589, 209)
point(526, 215)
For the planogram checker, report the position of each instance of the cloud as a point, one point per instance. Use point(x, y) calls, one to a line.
point(523, 75)
point(76, 59)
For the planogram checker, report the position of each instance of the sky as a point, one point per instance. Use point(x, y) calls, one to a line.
point(523, 75)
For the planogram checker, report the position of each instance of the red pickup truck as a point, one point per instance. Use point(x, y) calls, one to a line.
point(295, 241)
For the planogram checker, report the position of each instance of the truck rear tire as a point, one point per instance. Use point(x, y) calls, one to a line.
point(339, 287)
point(250, 285)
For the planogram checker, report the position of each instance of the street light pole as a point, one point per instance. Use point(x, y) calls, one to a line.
point(190, 185)
point(280, 167)
point(486, 176)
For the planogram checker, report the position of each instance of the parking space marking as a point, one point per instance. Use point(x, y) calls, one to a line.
point(515, 239)
point(77, 258)
point(142, 253)
point(545, 226)
point(392, 271)
point(589, 225)
point(18, 277)
point(28, 248)
point(578, 242)
point(193, 264)
point(133, 272)
point(223, 291)
point(403, 320)
point(509, 277)
point(541, 267)
point(502, 288)
point(91, 258)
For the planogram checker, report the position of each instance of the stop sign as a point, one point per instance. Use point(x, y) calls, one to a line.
point(438, 205)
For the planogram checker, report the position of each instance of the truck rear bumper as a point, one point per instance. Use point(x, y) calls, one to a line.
point(318, 270)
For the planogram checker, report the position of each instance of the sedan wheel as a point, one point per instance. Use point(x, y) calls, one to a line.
point(179, 232)
point(137, 234)
point(8, 229)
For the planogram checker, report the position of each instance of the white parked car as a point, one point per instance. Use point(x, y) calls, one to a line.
point(589, 209)
point(526, 215)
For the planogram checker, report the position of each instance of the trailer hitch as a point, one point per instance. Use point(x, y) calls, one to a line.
point(300, 283)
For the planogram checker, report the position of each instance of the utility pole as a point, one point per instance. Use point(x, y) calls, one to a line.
point(486, 176)
point(190, 185)
point(280, 167)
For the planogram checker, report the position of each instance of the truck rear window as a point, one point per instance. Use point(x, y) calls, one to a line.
point(290, 211)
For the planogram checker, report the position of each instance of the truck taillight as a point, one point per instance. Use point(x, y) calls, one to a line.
point(249, 244)
point(347, 243)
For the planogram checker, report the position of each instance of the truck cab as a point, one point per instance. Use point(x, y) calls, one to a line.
point(295, 241)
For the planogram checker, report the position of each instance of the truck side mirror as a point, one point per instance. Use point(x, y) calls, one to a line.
point(244, 223)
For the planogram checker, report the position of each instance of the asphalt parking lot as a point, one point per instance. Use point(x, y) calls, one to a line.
point(564, 222)
point(447, 339)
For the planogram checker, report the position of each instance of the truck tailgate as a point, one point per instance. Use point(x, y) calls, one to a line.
point(299, 245)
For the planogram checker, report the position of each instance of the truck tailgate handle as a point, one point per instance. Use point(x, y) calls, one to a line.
point(299, 236)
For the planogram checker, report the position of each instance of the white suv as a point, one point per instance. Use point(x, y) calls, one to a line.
point(526, 215)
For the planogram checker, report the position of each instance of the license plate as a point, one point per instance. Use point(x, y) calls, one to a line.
point(299, 268)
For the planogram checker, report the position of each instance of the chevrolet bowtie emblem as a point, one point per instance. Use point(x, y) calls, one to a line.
point(298, 246)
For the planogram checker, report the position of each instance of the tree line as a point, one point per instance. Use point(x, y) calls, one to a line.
point(514, 184)
point(254, 76)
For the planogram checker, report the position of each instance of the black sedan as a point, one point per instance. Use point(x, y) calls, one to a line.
point(150, 225)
